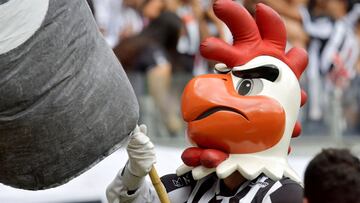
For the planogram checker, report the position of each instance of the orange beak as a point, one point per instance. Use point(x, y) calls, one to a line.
point(219, 118)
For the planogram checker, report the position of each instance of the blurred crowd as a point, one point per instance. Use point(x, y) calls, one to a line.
point(157, 43)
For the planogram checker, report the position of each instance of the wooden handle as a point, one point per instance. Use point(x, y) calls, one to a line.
point(159, 187)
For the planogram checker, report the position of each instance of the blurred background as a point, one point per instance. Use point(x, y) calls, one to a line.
point(157, 43)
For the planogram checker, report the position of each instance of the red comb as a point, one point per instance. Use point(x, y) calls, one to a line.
point(264, 36)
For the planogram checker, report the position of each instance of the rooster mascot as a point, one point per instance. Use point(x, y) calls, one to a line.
point(240, 121)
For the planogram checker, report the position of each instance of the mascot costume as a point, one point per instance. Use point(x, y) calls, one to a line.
point(65, 101)
point(240, 121)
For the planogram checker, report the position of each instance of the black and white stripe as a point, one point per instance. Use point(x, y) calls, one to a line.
point(331, 38)
point(332, 44)
point(185, 189)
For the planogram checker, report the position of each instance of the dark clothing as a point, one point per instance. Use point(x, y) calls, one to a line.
point(149, 58)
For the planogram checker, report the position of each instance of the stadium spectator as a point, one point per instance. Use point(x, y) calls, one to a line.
point(146, 57)
point(118, 19)
point(333, 52)
point(333, 176)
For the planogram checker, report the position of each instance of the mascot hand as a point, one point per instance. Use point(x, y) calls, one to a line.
point(141, 152)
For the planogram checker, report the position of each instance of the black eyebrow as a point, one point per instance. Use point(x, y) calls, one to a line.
point(268, 72)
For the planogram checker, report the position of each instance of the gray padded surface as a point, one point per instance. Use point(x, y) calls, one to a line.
point(65, 101)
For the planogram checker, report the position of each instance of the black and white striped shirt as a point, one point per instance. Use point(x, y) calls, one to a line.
point(332, 41)
point(184, 189)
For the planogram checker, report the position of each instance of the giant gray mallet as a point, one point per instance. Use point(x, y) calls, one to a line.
point(65, 101)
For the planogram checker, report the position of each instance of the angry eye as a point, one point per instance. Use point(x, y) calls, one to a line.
point(247, 87)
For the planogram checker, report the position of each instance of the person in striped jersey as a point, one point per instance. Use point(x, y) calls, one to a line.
point(333, 49)
point(240, 121)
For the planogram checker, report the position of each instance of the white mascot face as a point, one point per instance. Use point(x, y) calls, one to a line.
point(243, 118)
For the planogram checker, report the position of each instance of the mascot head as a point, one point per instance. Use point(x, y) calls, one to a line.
point(242, 118)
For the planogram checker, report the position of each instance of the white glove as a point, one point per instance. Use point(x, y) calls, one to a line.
point(141, 159)
point(141, 152)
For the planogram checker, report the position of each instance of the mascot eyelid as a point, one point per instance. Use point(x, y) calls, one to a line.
point(221, 68)
point(268, 72)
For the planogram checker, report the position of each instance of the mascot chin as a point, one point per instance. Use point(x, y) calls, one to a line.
point(240, 120)
point(65, 101)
